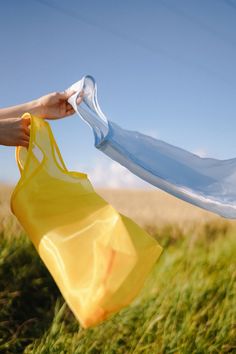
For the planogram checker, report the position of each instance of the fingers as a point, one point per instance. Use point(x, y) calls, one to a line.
point(25, 139)
point(80, 98)
point(25, 126)
point(65, 95)
point(27, 121)
point(68, 93)
point(24, 143)
point(26, 132)
point(70, 112)
point(69, 109)
point(68, 106)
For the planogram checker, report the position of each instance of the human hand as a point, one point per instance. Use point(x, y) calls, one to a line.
point(15, 132)
point(55, 105)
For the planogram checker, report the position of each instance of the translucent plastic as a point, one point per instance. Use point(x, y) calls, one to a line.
point(206, 182)
point(98, 257)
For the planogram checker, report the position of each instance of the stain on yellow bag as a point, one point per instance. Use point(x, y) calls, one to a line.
point(98, 257)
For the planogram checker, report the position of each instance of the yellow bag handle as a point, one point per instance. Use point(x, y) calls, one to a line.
point(53, 153)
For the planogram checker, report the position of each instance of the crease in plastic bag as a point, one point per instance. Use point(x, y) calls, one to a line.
point(98, 257)
point(205, 182)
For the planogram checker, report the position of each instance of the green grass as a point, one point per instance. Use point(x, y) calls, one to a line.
point(188, 304)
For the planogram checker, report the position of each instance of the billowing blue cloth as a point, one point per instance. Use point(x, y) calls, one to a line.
point(206, 182)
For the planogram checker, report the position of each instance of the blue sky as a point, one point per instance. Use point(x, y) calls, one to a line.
point(165, 67)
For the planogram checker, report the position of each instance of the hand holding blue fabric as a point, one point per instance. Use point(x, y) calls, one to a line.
point(15, 131)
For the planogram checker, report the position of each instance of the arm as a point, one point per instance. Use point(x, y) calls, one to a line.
point(19, 110)
point(14, 131)
point(52, 106)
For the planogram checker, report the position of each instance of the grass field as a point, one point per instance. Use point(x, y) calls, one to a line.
point(188, 304)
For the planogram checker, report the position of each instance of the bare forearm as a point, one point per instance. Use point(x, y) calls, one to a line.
point(17, 111)
point(15, 131)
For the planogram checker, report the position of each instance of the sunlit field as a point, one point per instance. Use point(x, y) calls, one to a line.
point(188, 304)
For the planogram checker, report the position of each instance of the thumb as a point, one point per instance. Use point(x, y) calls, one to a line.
point(26, 121)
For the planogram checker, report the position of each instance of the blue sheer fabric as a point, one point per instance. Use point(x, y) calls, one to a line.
point(206, 182)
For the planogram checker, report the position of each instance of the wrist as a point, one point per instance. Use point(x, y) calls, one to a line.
point(35, 107)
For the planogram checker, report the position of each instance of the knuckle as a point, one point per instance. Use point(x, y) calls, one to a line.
point(20, 124)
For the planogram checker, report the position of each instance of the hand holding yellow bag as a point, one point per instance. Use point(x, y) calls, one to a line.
point(98, 257)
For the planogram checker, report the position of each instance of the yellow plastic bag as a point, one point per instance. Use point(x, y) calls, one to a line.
point(98, 257)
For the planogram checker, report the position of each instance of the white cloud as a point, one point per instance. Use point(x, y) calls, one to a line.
point(110, 174)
